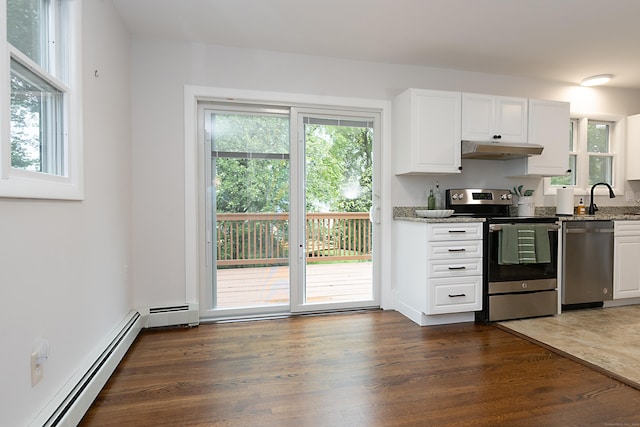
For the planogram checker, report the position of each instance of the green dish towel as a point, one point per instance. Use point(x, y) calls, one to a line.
point(543, 247)
point(523, 244)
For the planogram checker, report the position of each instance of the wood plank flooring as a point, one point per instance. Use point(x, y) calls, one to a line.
point(363, 369)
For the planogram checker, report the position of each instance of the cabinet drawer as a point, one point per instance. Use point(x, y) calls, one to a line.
point(455, 295)
point(454, 231)
point(455, 250)
point(626, 228)
point(455, 268)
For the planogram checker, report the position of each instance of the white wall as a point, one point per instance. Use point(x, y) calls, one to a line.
point(62, 263)
point(161, 69)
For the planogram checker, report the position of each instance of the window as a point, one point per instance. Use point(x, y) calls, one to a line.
point(40, 154)
point(592, 156)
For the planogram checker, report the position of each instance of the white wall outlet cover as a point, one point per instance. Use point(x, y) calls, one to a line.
point(629, 196)
point(39, 354)
point(36, 369)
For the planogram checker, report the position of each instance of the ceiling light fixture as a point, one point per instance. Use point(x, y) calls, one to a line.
point(596, 80)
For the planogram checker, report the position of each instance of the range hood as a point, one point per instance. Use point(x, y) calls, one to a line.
point(498, 150)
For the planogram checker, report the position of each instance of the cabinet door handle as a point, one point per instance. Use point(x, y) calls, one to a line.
point(497, 136)
point(457, 231)
point(462, 267)
point(457, 250)
point(457, 295)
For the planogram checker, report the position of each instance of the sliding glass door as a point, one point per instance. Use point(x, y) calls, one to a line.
point(336, 227)
point(248, 207)
point(288, 196)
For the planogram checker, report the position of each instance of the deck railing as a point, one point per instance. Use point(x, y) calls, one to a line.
point(263, 238)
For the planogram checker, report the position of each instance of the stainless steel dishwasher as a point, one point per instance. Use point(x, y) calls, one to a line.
point(587, 263)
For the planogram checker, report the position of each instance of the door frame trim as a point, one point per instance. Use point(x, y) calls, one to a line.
point(194, 175)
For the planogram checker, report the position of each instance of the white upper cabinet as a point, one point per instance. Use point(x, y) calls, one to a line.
point(633, 147)
point(549, 124)
point(494, 118)
point(426, 132)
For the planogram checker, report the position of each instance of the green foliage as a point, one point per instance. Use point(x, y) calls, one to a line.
point(252, 172)
point(24, 27)
point(338, 165)
point(339, 168)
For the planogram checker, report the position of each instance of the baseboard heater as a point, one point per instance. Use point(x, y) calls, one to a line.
point(177, 315)
point(78, 400)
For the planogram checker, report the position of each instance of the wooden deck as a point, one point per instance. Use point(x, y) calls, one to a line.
point(265, 286)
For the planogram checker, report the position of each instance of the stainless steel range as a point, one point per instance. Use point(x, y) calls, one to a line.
point(520, 256)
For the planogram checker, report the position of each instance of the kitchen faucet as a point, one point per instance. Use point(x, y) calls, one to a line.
point(592, 206)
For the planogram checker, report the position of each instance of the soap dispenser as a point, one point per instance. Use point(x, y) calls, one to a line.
point(581, 209)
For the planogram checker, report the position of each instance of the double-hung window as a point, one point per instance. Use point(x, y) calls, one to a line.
point(40, 141)
point(592, 156)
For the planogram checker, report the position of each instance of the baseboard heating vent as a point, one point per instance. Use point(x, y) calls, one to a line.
point(176, 315)
point(76, 400)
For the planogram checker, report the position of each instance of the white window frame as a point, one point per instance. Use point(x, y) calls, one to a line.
point(616, 147)
point(19, 183)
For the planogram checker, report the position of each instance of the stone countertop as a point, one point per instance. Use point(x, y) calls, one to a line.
point(602, 217)
point(439, 220)
point(408, 213)
point(616, 213)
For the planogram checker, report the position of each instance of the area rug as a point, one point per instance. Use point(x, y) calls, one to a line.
point(605, 339)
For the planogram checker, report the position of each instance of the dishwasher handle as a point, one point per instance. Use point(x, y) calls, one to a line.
point(587, 230)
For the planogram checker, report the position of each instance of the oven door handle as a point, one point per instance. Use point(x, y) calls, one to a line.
point(498, 227)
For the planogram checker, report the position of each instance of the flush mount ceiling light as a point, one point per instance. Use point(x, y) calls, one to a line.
point(596, 80)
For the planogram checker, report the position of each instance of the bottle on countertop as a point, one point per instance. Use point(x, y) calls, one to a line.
point(438, 196)
point(431, 200)
point(581, 209)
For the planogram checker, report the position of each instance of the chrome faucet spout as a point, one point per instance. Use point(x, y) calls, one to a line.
point(593, 208)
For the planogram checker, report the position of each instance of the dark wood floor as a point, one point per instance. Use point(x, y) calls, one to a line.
point(368, 369)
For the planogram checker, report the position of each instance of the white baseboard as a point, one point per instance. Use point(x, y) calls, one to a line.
point(436, 319)
point(73, 401)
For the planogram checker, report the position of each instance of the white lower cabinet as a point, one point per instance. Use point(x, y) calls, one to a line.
point(626, 259)
point(439, 271)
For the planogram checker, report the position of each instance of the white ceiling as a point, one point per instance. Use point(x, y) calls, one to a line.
point(559, 40)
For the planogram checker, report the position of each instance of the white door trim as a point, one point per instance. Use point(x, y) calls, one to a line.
point(194, 174)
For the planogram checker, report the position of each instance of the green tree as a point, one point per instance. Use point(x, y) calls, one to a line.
point(339, 168)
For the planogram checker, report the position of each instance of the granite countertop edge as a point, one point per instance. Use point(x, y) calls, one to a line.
point(436, 220)
point(615, 213)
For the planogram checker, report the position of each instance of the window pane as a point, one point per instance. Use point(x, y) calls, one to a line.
point(600, 169)
point(26, 28)
point(598, 137)
point(36, 123)
point(246, 133)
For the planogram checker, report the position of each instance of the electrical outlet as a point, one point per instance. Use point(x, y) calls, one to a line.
point(628, 196)
point(36, 369)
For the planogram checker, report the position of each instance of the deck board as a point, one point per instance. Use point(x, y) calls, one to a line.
point(260, 286)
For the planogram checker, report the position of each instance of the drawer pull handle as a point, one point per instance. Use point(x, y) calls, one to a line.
point(457, 231)
point(457, 295)
point(457, 250)
point(462, 267)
